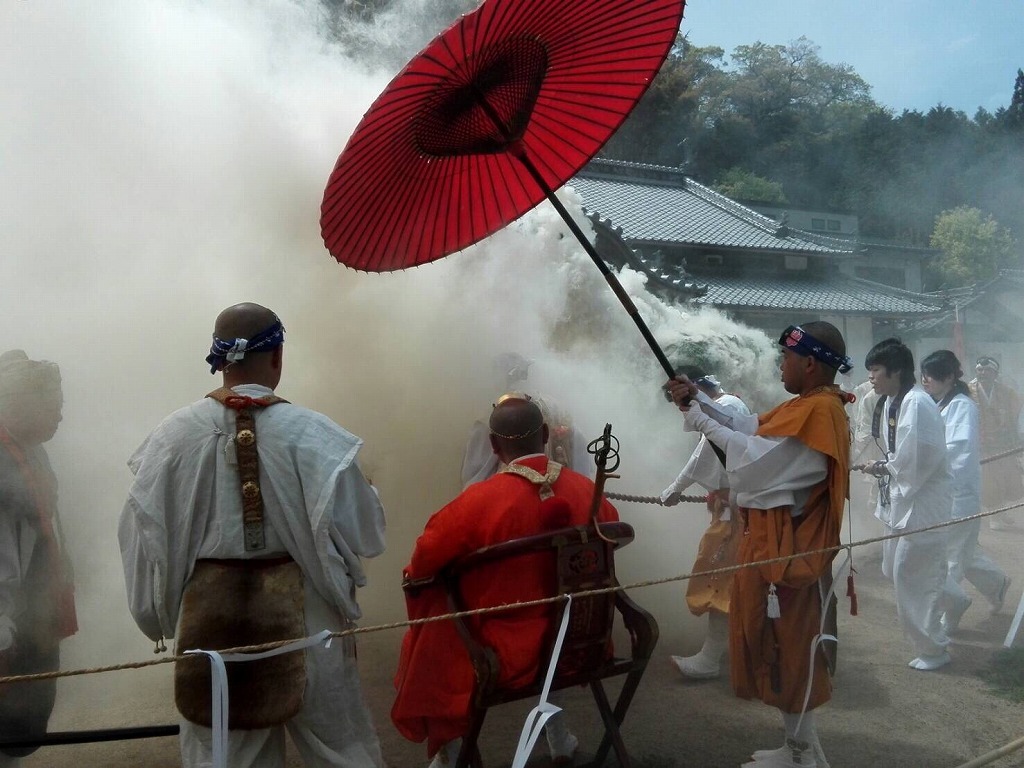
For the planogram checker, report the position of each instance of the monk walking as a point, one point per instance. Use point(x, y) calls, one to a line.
point(789, 469)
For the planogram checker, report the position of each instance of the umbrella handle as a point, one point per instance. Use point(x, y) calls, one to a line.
point(516, 148)
point(609, 276)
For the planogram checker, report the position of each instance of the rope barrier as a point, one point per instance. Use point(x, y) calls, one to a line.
point(1003, 455)
point(701, 499)
point(652, 499)
point(512, 606)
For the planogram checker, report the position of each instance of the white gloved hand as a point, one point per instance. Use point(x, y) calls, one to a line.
point(696, 420)
point(670, 496)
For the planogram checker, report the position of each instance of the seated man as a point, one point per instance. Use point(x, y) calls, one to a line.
point(529, 495)
point(566, 443)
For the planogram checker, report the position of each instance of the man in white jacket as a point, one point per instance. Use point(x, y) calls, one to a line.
point(245, 523)
point(914, 492)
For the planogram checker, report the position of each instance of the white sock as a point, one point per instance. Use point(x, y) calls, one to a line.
point(800, 728)
point(717, 639)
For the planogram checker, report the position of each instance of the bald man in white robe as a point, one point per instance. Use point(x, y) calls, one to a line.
point(184, 507)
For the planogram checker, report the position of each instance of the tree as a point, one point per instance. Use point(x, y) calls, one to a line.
point(658, 128)
point(1013, 116)
point(743, 185)
point(973, 246)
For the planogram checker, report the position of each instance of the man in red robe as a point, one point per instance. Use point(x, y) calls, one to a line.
point(789, 468)
point(529, 495)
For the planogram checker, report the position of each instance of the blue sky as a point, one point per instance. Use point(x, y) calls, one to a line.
point(913, 53)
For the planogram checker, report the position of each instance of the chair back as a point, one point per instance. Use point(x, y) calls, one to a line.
point(579, 560)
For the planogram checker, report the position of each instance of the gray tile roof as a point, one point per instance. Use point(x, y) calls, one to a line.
point(676, 209)
point(838, 294)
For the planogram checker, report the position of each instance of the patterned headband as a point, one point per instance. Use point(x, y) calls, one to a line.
point(224, 352)
point(801, 342)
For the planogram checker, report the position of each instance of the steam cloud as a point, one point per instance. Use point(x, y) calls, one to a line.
point(164, 160)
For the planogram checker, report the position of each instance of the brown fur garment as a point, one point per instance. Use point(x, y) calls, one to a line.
point(228, 604)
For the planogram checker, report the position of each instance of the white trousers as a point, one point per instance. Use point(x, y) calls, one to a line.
point(917, 566)
point(967, 560)
point(332, 730)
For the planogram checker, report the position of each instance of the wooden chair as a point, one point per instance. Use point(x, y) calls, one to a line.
point(582, 560)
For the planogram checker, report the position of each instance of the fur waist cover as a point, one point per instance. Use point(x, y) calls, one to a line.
point(232, 603)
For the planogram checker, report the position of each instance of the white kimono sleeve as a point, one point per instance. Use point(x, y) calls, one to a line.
point(139, 578)
point(764, 472)
point(913, 457)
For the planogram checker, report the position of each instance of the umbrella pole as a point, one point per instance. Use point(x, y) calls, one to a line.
point(609, 276)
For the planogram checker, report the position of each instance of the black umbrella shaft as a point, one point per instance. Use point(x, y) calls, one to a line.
point(517, 151)
point(609, 276)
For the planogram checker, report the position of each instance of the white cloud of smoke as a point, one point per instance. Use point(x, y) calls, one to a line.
point(164, 160)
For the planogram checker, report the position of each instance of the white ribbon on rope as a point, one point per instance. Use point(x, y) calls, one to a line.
point(545, 710)
point(821, 636)
point(219, 686)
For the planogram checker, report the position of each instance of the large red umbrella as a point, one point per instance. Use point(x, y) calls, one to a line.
point(492, 116)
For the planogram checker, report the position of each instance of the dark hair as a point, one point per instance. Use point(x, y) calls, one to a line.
point(942, 365)
point(692, 372)
point(893, 355)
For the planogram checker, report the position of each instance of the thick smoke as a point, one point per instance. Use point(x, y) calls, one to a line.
point(165, 160)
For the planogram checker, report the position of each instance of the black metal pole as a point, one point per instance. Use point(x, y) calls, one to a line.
point(516, 149)
point(90, 737)
point(609, 276)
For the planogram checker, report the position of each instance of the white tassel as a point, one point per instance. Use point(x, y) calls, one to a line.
point(773, 603)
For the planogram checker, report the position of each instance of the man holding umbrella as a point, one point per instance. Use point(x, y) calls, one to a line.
point(789, 469)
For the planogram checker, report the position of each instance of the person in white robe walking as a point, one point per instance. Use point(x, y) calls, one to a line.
point(914, 492)
point(942, 378)
point(719, 544)
point(185, 506)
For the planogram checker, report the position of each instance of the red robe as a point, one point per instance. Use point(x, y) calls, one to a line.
point(435, 676)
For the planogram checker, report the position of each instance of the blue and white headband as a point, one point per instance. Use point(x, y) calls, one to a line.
point(801, 342)
point(224, 352)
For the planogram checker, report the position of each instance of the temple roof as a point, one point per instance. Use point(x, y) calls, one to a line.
point(660, 205)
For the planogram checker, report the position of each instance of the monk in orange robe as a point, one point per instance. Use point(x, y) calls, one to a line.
point(790, 471)
point(529, 495)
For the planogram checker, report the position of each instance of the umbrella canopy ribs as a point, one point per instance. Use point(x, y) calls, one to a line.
point(486, 122)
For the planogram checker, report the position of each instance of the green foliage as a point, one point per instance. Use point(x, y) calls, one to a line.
point(973, 246)
point(782, 113)
point(1013, 117)
point(743, 185)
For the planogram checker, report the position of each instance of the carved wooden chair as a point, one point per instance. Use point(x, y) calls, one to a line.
point(582, 560)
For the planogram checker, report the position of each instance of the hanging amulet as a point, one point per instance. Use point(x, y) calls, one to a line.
point(250, 489)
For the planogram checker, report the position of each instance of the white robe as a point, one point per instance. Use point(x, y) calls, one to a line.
point(966, 559)
point(920, 489)
point(184, 504)
point(763, 472)
point(704, 467)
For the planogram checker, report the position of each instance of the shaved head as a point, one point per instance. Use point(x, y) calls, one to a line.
point(828, 334)
point(517, 428)
point(261, 356)
point(243, 321)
